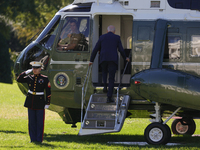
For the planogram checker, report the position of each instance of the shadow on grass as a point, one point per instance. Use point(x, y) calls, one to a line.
point(185, 141)
point(30, 146)
point(12, 131)
point(103, 139)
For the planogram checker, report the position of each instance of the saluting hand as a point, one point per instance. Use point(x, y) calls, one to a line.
point(28, 71)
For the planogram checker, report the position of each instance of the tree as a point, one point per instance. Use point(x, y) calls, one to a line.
point(22, 19)
point(28, 24)
point(5, 69)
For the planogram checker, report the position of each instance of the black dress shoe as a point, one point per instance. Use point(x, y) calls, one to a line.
point(105, 90)
point(110, 100)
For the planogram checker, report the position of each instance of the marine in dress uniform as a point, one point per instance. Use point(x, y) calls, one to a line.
point(108, 44)
point(35, 101)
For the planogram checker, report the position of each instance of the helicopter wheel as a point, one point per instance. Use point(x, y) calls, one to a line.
point(183, 126)
point(169, 132)
point(157, 134)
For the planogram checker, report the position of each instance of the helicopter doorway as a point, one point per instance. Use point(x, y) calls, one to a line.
point(123, 28)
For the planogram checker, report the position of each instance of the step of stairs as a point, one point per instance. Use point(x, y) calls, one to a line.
point(102, 106)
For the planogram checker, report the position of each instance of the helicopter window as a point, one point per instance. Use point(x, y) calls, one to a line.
point(34, 54)
point(195, 46)
point(172, 49)
point(46, 39)
point(155, 4)
point(74, 34)
point(185, 4)
point(143, 34)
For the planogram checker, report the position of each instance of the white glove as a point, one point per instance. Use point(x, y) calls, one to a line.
point(46, 106)
point(28, 71)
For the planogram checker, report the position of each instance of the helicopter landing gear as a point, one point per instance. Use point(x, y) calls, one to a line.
point(158, 132)
point(183, 126)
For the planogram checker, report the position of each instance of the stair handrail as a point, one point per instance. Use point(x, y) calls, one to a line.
point(117, 101)
point(84, 90)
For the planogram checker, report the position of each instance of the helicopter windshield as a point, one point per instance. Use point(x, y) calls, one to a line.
point(46, 38)
point(38, 51)
point(74, 34)
point(34, 53)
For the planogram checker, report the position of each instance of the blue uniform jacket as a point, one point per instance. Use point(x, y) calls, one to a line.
point(108, 45)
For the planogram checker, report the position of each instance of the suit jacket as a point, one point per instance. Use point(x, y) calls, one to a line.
point(36, 83)
point(108, 44)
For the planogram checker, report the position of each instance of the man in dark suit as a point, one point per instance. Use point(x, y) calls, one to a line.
point(35, 100)
point(108, 44)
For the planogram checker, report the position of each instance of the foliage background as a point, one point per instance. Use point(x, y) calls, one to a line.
point(20, 20)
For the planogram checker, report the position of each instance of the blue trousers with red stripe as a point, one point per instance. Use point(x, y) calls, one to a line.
point(36, 124)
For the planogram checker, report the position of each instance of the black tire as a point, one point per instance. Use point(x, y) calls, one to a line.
point(157, 134)
point(169, 132)
point(183, 126)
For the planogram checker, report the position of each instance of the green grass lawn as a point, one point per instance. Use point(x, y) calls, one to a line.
point(58, 135)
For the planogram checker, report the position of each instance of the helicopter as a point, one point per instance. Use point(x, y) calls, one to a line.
point(162, 40)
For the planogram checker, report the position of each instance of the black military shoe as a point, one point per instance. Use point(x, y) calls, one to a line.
point(110, 100)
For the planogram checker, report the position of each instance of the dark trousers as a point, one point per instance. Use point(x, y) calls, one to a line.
point(36, 124)
point(109, 67)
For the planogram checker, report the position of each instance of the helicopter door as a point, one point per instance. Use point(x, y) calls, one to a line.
point(123, 27)
point(70, 58)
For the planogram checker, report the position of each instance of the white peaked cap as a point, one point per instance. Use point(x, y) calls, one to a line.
point(36, 64)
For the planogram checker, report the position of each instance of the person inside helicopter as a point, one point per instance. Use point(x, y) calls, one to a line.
point(73, 40)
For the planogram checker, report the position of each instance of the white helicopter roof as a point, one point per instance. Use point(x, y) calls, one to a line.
point(97, 1)
point(139, 9)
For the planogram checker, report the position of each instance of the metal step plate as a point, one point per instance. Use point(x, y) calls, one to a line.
point(99, 124)
point(101, 114)
point(102, 106)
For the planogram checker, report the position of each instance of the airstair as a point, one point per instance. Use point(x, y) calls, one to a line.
point(100, 116)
